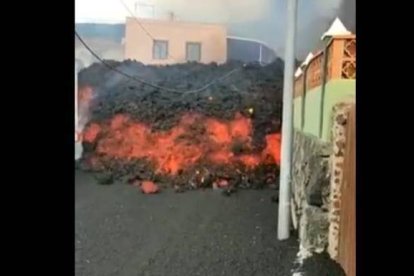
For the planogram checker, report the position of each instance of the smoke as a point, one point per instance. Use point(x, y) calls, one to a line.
point(257, 19)
point(105, 48)
point(265, 19)
point(220, 11)
point(347, 14)
point(314, 18)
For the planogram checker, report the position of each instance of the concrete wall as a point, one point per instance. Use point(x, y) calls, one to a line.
point(297, 112)
point(335, 91)
point(138, 45)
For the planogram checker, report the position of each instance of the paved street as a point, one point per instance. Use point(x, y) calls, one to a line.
point(120, 231)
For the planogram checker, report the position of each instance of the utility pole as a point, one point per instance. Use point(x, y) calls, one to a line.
point(283, 230)
point(260, 54)
point(76, 101)
point(78, 142)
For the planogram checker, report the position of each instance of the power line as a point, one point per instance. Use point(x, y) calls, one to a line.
point(228, 74)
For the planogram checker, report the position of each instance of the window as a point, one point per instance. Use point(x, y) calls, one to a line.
point(193, 51)
point(160, 49)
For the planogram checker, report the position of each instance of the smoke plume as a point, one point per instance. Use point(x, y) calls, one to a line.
point(265, 19)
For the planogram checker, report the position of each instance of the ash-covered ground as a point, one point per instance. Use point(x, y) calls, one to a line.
point(120, 231)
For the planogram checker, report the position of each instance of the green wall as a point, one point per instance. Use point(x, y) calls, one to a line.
point(297, 109)
point(335, 92)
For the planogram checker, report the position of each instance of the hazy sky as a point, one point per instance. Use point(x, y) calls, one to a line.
point(259, 19)
point(100, 10)
point(211, 10)
point(201, 10)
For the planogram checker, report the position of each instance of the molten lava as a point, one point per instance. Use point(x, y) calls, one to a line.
point(273, 143)
point(90, 134)
point(149, 187)
point(194, 139)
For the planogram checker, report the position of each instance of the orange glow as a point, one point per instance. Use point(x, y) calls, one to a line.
point(219, 132)
point(241, 127)
point(221, 157)
point(149, 187)
point(90, 134)
point(181, 147)
point(272, 147)
point(250, 161)
point(118, 121)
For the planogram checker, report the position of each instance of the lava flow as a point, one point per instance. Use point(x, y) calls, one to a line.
point(226, 136)
point(195, 139)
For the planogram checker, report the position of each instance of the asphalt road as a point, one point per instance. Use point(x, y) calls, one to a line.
point(119, 231)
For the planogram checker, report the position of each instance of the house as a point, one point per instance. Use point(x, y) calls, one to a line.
point(109, 40)
point(153, 41)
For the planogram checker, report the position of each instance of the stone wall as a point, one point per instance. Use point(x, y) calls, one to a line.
point(339, 122)
point(310, 191)
point(317, 173)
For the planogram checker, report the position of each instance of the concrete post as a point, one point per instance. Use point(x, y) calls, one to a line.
point(76, 101)
point(287, 124)
point(78, 143)
point(260, 54)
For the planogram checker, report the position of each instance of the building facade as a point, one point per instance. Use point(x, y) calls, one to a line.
point(167, 42)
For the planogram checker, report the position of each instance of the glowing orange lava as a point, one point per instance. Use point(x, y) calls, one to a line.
point(193, 139)
point(273, 147)
point(91, 132)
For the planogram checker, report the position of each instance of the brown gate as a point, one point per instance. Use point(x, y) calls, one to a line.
point(347, 226)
